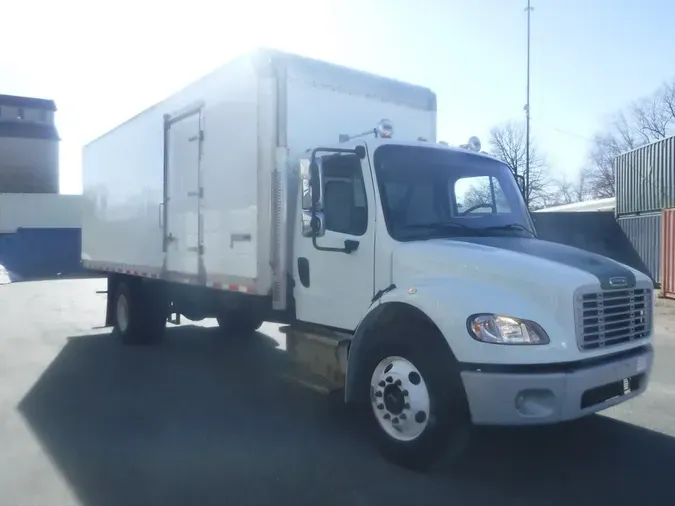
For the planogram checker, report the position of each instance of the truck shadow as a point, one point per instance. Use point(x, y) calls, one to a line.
point(205, 420)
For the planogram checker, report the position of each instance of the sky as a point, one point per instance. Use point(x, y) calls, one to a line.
point(103, 62)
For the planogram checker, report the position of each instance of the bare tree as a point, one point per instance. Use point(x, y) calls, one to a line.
point(599, 173)
point(645, 120)
point(668, 97)
point(507, 142)
point(654, 116)
point(569, 191)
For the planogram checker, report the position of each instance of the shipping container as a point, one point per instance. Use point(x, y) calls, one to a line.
point(668, 254)
point(644, 233)
point(41, 253)
point(645, 178)
point(35, 210)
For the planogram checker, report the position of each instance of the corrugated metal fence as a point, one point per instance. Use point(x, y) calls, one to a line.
point(668, 254)
point(644, 233)
point(645, 178)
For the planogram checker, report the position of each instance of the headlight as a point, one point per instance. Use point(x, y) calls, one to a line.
point(492, 328)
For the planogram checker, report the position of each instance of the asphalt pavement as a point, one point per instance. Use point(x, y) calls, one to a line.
point(204, 420)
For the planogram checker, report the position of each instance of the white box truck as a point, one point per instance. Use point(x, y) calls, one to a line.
point(407, 273)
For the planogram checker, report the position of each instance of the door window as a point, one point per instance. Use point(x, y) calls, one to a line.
point(344, 195)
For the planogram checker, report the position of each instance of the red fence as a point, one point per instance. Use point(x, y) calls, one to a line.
point(668, 253)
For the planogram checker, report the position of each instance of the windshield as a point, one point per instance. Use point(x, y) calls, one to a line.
point(435, 192)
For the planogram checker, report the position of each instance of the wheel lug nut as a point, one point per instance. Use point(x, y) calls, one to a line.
point(378, 394)
point(380, 406)
point(402, 416)
point(394, 421)
point(389, 379)
point(398, 383)
point(404, 392)
point(386, 416)
point(382, 384)
point(406, 406)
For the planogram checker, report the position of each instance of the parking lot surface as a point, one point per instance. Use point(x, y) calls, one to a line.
point(205, 420)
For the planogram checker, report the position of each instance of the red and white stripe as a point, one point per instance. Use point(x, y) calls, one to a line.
point(133, 271)
point(230, 287)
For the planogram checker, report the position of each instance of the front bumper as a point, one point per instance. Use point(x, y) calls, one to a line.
point(526, 395)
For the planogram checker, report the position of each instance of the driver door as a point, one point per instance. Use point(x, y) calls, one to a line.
point(335, 288)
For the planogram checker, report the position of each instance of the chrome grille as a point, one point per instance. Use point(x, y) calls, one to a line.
point(612, 317)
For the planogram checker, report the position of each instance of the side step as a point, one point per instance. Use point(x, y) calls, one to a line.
point(319, 357)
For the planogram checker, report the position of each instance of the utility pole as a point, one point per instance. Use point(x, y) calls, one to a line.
point(529, 10)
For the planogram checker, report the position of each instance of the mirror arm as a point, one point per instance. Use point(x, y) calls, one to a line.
point(349, 245)
point(354, 151)
point(347, 249)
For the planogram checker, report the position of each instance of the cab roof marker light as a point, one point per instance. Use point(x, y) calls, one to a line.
point(384, 129)
point(472, 145)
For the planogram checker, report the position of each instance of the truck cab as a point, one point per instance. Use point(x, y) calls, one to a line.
point(417, 264)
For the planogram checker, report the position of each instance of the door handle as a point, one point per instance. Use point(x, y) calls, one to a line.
point(351, 245)
point(161, 215)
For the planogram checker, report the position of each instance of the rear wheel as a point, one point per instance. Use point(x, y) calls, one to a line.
point(418, 404)
point(140, 313)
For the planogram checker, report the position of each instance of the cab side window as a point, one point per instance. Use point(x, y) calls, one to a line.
point(344, 195)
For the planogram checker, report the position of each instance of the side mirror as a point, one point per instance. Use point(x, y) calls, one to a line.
point(313, 226)
point(520, 181)
point(312, 184)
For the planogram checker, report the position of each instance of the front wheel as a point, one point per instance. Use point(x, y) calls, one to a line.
point(418, 405)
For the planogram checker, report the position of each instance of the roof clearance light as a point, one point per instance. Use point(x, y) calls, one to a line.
point(385, 129)
point(474, 143)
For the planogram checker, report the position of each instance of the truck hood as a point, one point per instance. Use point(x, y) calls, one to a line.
point(514, 261)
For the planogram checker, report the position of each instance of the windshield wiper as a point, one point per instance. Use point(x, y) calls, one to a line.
point(510, 226)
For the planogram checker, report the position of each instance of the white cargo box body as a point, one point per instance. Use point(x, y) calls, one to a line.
point(219, 142)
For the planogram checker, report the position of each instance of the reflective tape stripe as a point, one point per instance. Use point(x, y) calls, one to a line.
point(192, 280)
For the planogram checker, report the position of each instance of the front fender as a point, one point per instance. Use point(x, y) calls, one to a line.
point(393, 302)
point(448, 303)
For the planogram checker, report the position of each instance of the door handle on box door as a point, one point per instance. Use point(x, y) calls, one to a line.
point(161, 215)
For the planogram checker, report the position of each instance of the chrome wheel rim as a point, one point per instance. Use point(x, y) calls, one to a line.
point(400, 398)
point(122, 313)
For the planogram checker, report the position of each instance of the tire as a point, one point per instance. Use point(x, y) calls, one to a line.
point(238, 322)
point(140, 314)
point(417, 403)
